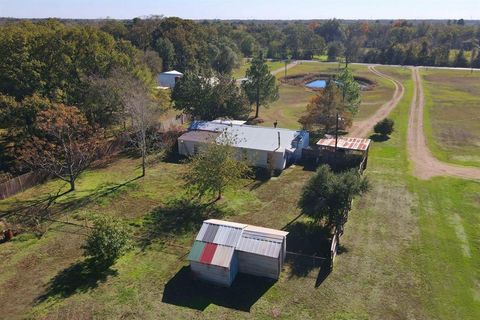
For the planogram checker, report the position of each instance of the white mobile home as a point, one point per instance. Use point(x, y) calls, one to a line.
point(262, 146)
point(223, 248)
point(168, 79)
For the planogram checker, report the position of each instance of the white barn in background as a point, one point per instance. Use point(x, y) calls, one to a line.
point(168, 79)
point(265, 147)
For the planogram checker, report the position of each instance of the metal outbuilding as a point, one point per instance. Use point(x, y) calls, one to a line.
point(169, 78)
point(223, 248)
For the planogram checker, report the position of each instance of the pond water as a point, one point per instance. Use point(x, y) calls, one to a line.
point(317, 84)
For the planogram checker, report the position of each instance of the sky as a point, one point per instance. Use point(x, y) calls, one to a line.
point(244, 9)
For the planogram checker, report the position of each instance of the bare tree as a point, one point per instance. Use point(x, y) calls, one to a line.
point(143, 113)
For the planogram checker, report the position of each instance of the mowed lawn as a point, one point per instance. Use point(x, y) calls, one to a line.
point(242, 69)
point(452, 115)
point(408, 252)
point(293, 99)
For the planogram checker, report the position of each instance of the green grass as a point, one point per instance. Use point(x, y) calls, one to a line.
point(452, 115)
point(293, 99)
point(409, 249)
point(242, 69)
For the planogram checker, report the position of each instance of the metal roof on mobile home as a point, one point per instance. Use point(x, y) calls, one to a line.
point(251, 137)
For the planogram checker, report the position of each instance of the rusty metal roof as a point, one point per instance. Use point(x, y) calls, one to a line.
point(346, 143)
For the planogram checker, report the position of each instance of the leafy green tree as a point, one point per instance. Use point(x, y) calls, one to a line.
point(354, 39)
point(215, 168)
point(384, 127)
point(165, 49)
point(350, 90)
point(207, 96)
point(334, 50)
point(108, 240)
point(327, 195)
point(460, 60)
point(19, 118)
point(261, 86)
point(54, 61)
point(247, 45)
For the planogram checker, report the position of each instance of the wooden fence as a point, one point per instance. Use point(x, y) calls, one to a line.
point(21, 183)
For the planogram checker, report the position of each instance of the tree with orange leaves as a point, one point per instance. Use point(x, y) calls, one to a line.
point(324, 108)
point(64, 145)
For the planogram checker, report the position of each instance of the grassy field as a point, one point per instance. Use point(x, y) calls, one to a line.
point(240, 71)
point(293, 99)
point(452, 115)
point(408, 252)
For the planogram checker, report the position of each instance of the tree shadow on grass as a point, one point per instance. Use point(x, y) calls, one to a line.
point(379, 137)
point(30, 213)
point(308, 248)
point(179, 216)
point(77, 278)
point(183, 290)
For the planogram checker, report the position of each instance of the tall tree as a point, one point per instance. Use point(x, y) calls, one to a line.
point(65, 144)
point(207, 96)
point(261, 86)
point(350, 90)
point(143, 113)
point(325, 109)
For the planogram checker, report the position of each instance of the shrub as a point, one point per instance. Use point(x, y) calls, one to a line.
point(384, 127)
point(108, 240)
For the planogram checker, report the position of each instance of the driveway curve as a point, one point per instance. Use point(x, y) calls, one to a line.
point(362, 128)
point(425, 165)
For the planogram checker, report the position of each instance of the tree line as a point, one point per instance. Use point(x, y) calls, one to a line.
point(184, 44)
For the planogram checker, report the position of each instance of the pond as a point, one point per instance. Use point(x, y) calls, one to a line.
point(317, 84)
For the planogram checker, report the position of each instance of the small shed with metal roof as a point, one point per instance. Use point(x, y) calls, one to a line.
point(223, 248)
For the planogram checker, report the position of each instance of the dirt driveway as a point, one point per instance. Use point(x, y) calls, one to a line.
point(425, 165)
point(363, 127)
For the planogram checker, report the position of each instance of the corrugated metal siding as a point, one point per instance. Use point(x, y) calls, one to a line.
point(258, 265)
point(223, 256)
point(260, 247)
point(210, 233)
point(227, 236)
point(219, 234)
point(208, 253)
point(196, 251)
